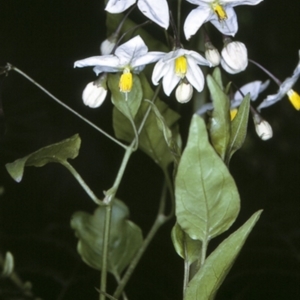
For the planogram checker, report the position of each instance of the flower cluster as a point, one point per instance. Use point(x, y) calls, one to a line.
point(180, 69)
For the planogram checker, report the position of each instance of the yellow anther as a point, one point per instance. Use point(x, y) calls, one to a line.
point(125, 83)
point(219, 11)
point(294, 98)
point(233, 113)
point(180, 66)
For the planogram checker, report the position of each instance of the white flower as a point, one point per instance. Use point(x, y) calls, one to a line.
point(156, 10)
point(212, 54)
point(93, 95)
point(285, 89)
point(253, 88)
point(184, 92)
point(131, 56)
point(262, 127)
point(177, 65)
point(234, 57)
point(219, 12)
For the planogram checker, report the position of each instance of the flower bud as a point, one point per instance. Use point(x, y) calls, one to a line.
point(108, 45)
point(93, 95)
point(184, 92)
point(262, 127)
point(234, 57)
point(212, 54)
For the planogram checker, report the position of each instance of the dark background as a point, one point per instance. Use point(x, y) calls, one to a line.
point(44, 38)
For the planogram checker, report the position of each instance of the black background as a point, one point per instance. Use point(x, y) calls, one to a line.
point(44, 38)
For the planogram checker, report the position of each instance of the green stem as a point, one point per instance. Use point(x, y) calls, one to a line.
point(11, 67)
point(186, 272)
point(82, 182)
point(109, 196)
point(159, 221)
point(178, 18)
point(103, 279)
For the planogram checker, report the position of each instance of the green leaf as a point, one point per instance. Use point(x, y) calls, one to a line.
point(185, 247)
point(218, 77)
point(208, 279)
point(219, 125)
point(152, 138)
point(207, 200)
point(128, 104)
point(59, 153)
point(125, 237)
point(239, 128)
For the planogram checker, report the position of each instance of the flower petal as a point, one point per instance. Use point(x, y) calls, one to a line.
point(199, 59)
point(135, 47)
point(194, 74)
point(233, 3)
point(195, 19)
point(254, 88)
point(160, 70)
point(148, 58)
point(157, 11)
point(118, 6)
point(104, 60)
point(170, 79)
point(228, 26)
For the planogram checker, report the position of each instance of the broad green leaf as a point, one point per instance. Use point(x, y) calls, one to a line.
point(218, 77)
point(219, 125)
point(128, 104)
point(125, 237)
point(208, 279)
point(185, 247)
point(238, 128)
point(207, 200)
point(58, 153)
point(152, 138)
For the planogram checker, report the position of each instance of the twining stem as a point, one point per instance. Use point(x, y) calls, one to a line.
point(276, 80)
point(161, 218)
point(103, 278)
point(11, 67)
point(82, 182)
point(186, 277)
point(110, 194)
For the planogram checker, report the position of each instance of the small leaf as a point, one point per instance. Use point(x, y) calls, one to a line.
point(125, 237)
point(207, 200)
point(58, 153)
point(8, 265)
point(239, 128)
point(218, 77)
point(152, 139)
point(185, 247)
point(128, 104)
point(208, 279)
point(219, 125)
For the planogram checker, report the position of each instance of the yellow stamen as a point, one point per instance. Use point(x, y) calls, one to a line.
point(180, 66)
point(233, 113)
point(125, 83)
point(294, 98)
point(219, 11)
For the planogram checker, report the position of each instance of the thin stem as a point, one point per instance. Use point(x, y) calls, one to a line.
point(82, 183)
point(11, 67)
point(103, 277)
point(178, 18)
point(159, 221)
point(186, 272)
point(276, 80)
